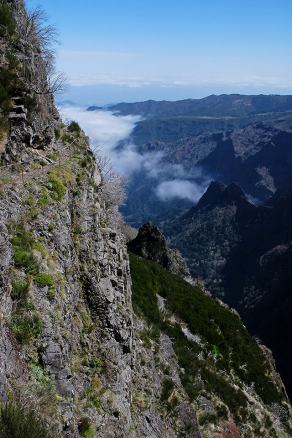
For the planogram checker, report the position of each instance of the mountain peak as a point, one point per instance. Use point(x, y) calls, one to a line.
point(221, 194)
point(151, 244)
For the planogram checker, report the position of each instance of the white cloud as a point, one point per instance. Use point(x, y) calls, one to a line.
point(179, 188)
point(104, 128)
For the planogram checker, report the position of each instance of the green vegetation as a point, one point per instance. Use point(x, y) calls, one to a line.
point(86, 428)
point(167, 388)
point(59, 178)
point(227, 346)
point(57, 132)
point(20, 288)
point(44, 280)
point(26, 323)
point(26, 326)
point(22, 245)
point(40, 375)
point(17, 422)
point(38, 246)
point(58, 189)
point(73, 127)
point(44, 198)
point(7, 23)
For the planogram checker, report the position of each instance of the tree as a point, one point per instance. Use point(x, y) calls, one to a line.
point(42, 39)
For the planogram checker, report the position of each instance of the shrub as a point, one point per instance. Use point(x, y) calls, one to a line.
point(40, 248)
point(22, 244)
point(58, 189)
point(86, 428)
point(167, 388)
point(25, 259)
point(44, 198)
point(16, 422)
point(40, 375)
point(227, 345)
point(20, 289)
point(43, 280)
point(7, 23)
point(74, 128)
point(26, 326)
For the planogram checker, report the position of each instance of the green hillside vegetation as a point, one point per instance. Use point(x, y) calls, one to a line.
point(227, 352)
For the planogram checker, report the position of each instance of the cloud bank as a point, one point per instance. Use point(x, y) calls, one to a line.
point(110, 134)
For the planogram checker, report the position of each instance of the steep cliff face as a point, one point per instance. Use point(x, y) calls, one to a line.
point(27, 79)
point(66, 318)
point(72, 348)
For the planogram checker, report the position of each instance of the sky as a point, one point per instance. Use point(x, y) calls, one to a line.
point(132, 50)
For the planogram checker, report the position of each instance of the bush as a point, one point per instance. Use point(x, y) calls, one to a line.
point(16, 422)
point(86, 428)
point(22, 244)
point(7, 23)
point(58, 189)
point(167, 388)
point(44, 198)
point(44, 280)
point(20, 289)
point(26, 326)
point(74, 128)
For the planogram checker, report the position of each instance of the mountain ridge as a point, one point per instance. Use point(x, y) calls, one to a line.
point(241, 250)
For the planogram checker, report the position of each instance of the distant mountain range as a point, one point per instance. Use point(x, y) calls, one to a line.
point(225, 105)
point(231, 138)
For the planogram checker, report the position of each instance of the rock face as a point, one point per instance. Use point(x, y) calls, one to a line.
point(27, 102)
point(151, 244)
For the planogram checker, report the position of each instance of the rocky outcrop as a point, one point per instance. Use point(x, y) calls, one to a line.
point(29, 103)
point(151, 244)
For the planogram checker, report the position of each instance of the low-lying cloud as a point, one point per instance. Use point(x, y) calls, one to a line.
point(107, 131)
point(104, 128)
point(181, 189)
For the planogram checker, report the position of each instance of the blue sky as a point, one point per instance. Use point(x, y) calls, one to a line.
point(137, 49)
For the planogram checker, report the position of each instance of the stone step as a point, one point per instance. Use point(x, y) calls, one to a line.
point(19, 109)
point(15, 116)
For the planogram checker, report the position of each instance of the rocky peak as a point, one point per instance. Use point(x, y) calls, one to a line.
point(220, 195)
point(151, 244)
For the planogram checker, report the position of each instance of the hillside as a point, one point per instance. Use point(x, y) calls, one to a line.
point(242, 253)
point(207, 346)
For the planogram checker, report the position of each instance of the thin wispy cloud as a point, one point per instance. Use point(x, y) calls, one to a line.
point(133, 69)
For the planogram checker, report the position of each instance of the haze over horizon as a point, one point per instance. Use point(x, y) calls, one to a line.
point(123, 51)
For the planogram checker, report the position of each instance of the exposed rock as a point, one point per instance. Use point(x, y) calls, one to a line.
point(151, 244)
